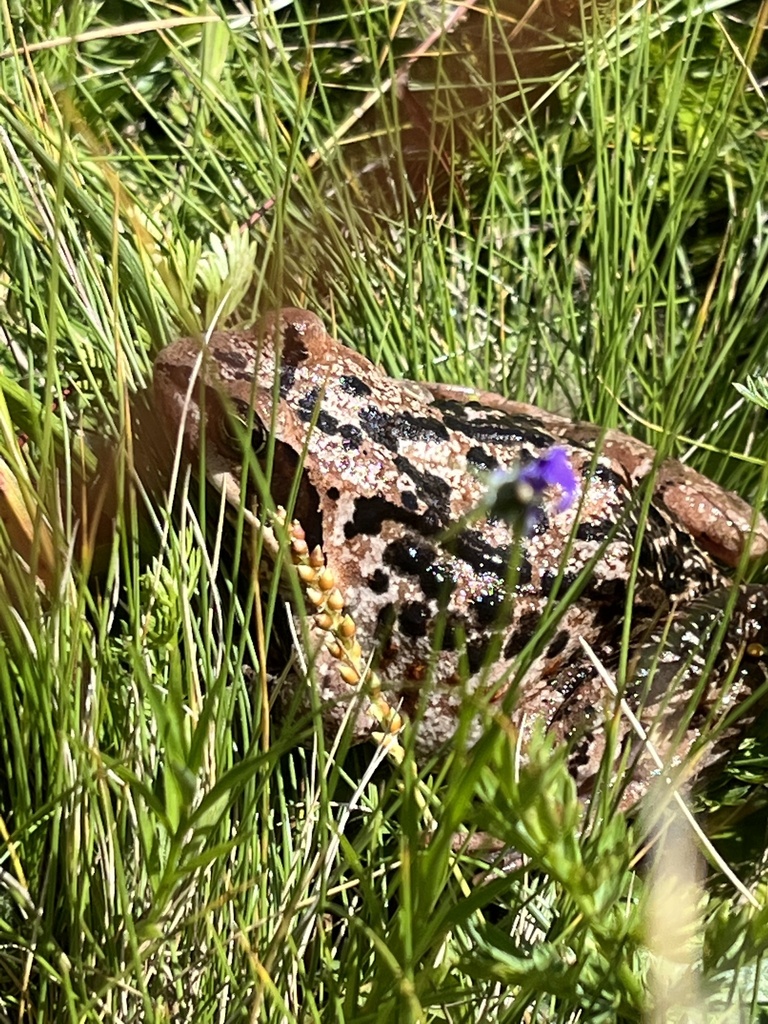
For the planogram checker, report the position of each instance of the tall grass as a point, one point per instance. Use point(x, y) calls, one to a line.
point(598, 245)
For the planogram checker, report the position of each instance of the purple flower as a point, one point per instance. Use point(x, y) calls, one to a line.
point(515, 495)
point(552, 470)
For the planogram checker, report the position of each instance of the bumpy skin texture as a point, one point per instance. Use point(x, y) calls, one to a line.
point(392, 473)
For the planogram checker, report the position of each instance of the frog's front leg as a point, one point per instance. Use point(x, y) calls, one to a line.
point(721, 522)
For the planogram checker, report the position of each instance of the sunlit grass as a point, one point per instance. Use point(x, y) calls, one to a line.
point(600, 248)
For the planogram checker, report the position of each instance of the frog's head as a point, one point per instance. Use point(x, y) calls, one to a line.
point(223, 400)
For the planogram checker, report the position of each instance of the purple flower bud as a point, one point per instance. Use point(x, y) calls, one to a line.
point(515, 495)
point(552, 470)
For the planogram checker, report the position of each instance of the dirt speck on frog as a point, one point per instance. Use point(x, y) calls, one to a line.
point(458, 607)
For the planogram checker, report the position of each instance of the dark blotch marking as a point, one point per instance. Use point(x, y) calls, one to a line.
point(449, 405)
point(353, 385)
point(549, 577)
point(385, 620)
point(352, 437)
point(547, 582)
point(308, 411)
point(371, 513)
point(524, 572)
point(596, 530)
point(378, 426)
point(493, 432)
point(379, 582)
point(412, 557)
point(307, 404)
point(307, 407)
point(409, 500)
point(287, 379)
point(326, 423)
point(482, 460)
point(487, 607)
point(420, 428)
point(605, 616)
point(389, 430)
point(532, 432)
point(495, 426)
point(524, 632)
point(483, 557)
point(477, 653)
point(333, 493)
point(612, 592)
point(536, 522)
point(433, 491)
point(605, 474)
point(234, 359)
point(452, 630)
point(559, 643)
point(414, 619)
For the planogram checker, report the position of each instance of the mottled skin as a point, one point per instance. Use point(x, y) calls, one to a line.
point(392, 475)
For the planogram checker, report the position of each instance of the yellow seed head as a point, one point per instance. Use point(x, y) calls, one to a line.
point(395, 723)
point(306, 573)
point(350, 675)
point(347, 627)
point(324, 621)
point(327, 579)
point(299, 550)
point(353, 651)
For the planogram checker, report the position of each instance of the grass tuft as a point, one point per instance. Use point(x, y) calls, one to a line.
point(581, 224)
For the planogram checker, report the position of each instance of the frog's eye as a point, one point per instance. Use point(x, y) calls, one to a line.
point(239, 427)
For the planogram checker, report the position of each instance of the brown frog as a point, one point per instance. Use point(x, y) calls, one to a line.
point(459, 604)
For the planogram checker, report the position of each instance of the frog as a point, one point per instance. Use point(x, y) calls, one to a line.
point(453, 605)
